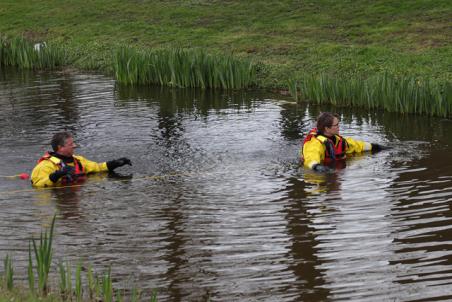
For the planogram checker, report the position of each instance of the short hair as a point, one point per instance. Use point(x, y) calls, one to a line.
point(326, 119)
point(59, 139)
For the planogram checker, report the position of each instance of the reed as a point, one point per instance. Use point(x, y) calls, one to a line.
point(182, 68)
point(135, 297)
point(63, 281)
point(154, 296)
point(99, 288)
point(31, 276)
point(78, 282)
point(69, 280)
point(43, 255)
point(119, 297)
point(91, 282)
point(9, 273)
point(293, 89)
point(20, 53)
point(107, 286)
point(403, 94)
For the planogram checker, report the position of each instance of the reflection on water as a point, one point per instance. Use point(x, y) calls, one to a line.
point(216, 206)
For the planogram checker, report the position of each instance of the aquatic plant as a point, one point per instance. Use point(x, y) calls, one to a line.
point(78, 282)
point(43, 255)
point(64, 292)
point(135, 297)
point(403, 94)
point(293, 89)
point(31, 276)
point(91, 282)
point(154, 296)
point(19, 52)
point(100, 288)
point(176, 67)
point(9, 273)
point(107, 286)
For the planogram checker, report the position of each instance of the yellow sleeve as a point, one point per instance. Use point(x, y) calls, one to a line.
point(313, 153)
point(356, 146)
point(40, 174)
point(92, 166)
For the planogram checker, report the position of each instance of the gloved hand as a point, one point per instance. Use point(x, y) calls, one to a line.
point(67, 171)
point(377, 147)
point(113, 164)
point(322, 168)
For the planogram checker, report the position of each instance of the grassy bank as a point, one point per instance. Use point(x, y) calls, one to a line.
point(355, 41)
point(322, 36)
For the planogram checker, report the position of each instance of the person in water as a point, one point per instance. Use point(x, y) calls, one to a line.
point(63, 167)
point(323, 146)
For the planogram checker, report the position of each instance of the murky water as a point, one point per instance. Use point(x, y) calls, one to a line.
point(216, 207)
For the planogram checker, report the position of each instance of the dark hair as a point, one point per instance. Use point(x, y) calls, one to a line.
point(59, 139)
point(326, 119)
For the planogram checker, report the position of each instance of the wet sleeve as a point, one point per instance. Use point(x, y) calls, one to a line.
point(356, 146)
point(40, 174)
point(92, 166)
point(313, 153)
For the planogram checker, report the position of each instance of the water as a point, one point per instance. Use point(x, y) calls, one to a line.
point(215, 205)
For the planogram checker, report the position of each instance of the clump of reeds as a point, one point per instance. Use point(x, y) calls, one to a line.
point(97, 288)
point(20, 53)
point(43, 255)
point(182, 68)
point(403, 94)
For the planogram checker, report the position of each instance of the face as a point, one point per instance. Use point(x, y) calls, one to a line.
point(68, 148)
point(334, 129)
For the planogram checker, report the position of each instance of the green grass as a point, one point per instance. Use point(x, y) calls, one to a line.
point(354, 40)
point(289, 36)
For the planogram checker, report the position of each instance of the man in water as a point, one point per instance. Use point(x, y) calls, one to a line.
point(63, 167)
point(323, 146)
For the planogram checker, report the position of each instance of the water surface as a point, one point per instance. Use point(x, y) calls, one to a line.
point(216, 206)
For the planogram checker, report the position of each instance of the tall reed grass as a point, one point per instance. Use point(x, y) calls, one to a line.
point(182, 68)
point(9, 273)
point(95, 288)
point(403, 94)
point(20, 53)
point(43, 255)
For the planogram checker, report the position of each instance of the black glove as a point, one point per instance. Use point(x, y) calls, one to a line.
point(113, 164)
point(377, 147)
point(322, 168)
point(66, 171)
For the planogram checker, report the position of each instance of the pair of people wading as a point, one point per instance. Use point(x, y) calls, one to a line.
point(322, 147)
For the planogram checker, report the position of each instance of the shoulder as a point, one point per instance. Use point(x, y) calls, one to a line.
point(79, 157)
point(46, 165)
point(48, 160)
point(315, 141)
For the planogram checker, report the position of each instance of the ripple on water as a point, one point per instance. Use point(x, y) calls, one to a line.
point(215, 204)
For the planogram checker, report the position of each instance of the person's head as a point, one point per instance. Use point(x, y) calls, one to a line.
point(63, 143)
point(328, 123)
